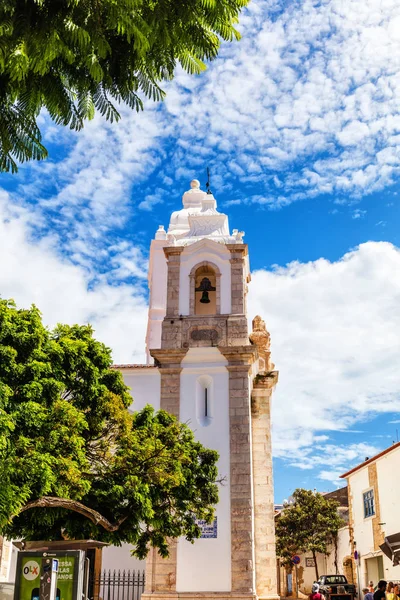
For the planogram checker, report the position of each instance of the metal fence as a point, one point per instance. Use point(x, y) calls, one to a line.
point(118, 585)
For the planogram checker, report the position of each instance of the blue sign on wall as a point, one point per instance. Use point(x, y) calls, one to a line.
point(208, 530)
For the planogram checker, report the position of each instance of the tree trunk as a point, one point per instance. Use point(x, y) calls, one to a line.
point(74, 505)
point(335, 542)
point(316, 565)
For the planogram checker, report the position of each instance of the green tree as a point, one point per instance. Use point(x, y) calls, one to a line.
point(74, 57)
point(74, 462)
point(309, 524)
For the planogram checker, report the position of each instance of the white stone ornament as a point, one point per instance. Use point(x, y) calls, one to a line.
point(171, 239)
point(161, 234)
point(199, 219)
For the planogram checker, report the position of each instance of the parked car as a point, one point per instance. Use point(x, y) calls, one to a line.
point(337, 587)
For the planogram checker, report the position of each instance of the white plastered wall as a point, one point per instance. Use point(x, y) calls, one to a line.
point(145, 384)
point(388, 469)
point(206, 565)
point(209, 251)
point(158, 295)
point(363, 536)
point(145, 387)
point(119, 558)
point(389, 492)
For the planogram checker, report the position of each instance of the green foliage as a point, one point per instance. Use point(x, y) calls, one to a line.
point(65, 432)
point(78, 56)
point(310, 524)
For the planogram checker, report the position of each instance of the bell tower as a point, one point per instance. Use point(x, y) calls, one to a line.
point(219, 379)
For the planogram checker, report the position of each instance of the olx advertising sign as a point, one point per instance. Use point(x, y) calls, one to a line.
point(31, 566)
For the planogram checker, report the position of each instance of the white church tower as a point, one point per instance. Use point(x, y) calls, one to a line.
point(205, 368)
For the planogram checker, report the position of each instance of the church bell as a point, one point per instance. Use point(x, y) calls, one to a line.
point(204, 298)
point(205, 287)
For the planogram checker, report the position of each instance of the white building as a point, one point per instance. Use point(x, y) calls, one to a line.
point(374, 501)
point(203, 368)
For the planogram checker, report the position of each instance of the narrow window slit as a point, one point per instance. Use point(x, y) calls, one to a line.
point(206, 402)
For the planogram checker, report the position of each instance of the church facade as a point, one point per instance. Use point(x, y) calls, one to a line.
point(205, 367)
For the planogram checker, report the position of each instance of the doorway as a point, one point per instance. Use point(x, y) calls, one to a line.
point(374, 569)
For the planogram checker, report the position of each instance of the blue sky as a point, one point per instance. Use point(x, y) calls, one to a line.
point(299, 123)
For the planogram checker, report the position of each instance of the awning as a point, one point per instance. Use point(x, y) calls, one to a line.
point(391, 548)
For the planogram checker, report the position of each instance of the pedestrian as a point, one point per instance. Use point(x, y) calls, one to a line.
point(396, 591)
point(380, 592)
point(389, 591)
point(367, 594)
point(371, 587)
point(315, 595)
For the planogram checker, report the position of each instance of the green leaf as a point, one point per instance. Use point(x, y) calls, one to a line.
point(65, 433)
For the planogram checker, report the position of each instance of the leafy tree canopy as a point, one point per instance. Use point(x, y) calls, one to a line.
point(74, 462)
point(309, 524)
point(74, 57)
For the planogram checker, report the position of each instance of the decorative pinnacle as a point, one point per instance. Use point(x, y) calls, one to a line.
point(195, 184)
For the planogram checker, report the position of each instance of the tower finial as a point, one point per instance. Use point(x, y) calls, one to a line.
point(208, 182)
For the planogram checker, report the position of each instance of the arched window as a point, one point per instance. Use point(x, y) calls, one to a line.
point(204, 400)
point(205, 292)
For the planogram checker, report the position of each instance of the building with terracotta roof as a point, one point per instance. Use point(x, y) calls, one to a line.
point(374, 516)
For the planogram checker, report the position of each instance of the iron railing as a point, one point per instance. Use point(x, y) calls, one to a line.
point(117, 585)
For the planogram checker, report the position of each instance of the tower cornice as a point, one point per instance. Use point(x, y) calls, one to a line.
point(168, 358)
point(239, 355)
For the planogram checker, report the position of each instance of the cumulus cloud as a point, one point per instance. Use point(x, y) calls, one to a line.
point(358, 213)
point(335, 329)
point(330, 461)
point(314, 87)
point(151, 200)
point(87, 197)
point(34, 272)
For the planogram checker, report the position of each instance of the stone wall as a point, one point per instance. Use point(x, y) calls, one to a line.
point(265, 555)
point(161, 572)
point(239, 360)
point(378, 535)
point(238, 253)
point(173, 255)
point(204, 331)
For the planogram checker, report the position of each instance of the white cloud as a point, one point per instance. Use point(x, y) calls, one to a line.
point(151, 200)
point(335, 330)
point(330, 461)
point(353, 133)
point(320, 78)
point(88, 194)
point(34, 272)
point(358, 213)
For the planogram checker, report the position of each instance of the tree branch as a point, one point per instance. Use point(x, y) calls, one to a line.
point(74, 505)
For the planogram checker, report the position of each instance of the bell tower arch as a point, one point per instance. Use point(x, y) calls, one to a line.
point(205, 289)
point(216, 377)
